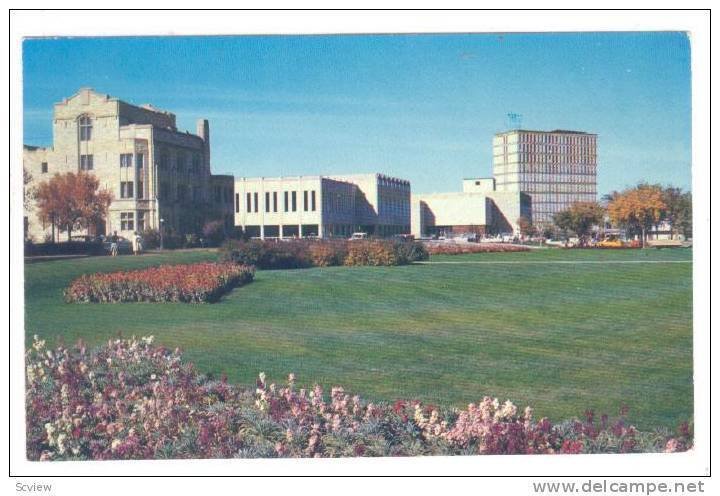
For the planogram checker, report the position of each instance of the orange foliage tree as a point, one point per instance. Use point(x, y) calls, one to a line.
point(72, 201)
point(639, 208)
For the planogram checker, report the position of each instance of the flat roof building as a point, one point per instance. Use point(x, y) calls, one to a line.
point(322, 206)
point(554, 168)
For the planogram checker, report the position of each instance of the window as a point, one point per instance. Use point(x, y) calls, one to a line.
point(85, 128)
point(126, 189)
point(237, 202)
point(294, 201)
point(86, 162)
point(249, 204)
point(267, 201)
point(139, 160)
point(140, 192)
point(305, 200)
point(127, 221)
point(43, 168)
point(312, 200)
point(180, 162)
point(126, 160)
point(196, 164)
point(274, 201)
point(255, 198)
point(141, 221)
point(286, 201)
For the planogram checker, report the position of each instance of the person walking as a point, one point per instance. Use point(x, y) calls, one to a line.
point(137, 244)
point(114, 244)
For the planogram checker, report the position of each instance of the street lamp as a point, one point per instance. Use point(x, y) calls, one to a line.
point(161, 233)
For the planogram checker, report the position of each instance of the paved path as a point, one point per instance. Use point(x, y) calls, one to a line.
point(557, 262)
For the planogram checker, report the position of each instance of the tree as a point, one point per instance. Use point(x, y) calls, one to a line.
point(638, 208)
point(580, 218)
point(678, 211)
point(72, 201)
point(525, 226)
point(28, 191)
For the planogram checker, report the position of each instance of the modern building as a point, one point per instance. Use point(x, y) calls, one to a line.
point(554, 168)
point(323, 206)
point(154, 171)
point(478, 209)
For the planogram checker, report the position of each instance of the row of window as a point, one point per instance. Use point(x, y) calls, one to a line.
point(128, 222)
point(556, 139)
point(542, 201)
point(252, 203)
point(126, 160)
point(127, 189)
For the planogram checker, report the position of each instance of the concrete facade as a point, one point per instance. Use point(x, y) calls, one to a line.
point(478, 212)
point(555, 168)
point(137, 153)
point(323, 206)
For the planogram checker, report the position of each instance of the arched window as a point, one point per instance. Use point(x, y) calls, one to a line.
point(85, 126)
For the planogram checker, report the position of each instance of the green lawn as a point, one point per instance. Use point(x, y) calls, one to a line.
point(560, 337)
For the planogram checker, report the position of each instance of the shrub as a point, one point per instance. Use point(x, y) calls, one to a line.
point(464, 248)
point(214, 232)
point(194, 283)
point(295, 254)
point(151, 238)
point(64, 248)
point(131, 399)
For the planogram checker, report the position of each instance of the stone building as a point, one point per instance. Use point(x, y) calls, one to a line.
point(154, 171)
point(322, 206)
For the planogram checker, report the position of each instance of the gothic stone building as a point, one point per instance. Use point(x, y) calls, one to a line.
point(153, 170)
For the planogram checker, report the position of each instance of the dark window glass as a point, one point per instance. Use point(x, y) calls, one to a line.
point(43, 167)
point(249, 203)
point(237, 202)
point(86, 162)
point(294, 201)
point(305, 200)
point(255, 198)
point(286, 201)
point(274, 201)
point(312, 200)
point(85, 128)
point(140, 191)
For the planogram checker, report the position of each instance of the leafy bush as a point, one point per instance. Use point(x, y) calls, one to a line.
point(131, 399)
point(464, 248)
point(214, 233)
point(151, 238)
point(320, 253)
point(64, 248)
point(193, 283)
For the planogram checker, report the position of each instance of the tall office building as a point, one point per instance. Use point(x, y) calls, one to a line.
point(554, 168)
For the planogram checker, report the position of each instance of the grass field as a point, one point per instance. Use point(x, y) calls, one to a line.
point(561, 337)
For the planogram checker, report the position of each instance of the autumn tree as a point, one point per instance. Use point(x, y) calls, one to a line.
point(72, 201)
point(638, 208)
point(580, 218)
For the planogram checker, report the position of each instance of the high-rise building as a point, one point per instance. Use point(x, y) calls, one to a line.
point(554, 168)
point(153, 170)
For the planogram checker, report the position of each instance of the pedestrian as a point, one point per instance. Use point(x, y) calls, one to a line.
point(114, 244)
point(139, 245)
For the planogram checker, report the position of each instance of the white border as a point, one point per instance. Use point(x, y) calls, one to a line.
point(695, 463)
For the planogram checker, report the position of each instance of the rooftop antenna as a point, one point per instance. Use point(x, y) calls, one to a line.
point(514, 121)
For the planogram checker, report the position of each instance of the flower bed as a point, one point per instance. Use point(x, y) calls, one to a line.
point(464, 248)
point(322, 253)
point(131, 399)
point(190, 283)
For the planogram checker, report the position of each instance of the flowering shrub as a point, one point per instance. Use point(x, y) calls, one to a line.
point(192, 283)
point(131, 399)
point(321, 253)
point(463, 248)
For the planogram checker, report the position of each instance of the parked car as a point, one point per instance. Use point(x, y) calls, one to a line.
point(124, 245)
point(610, 242)
point(357, 236)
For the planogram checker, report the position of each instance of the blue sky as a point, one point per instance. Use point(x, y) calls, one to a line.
point(420, 107)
